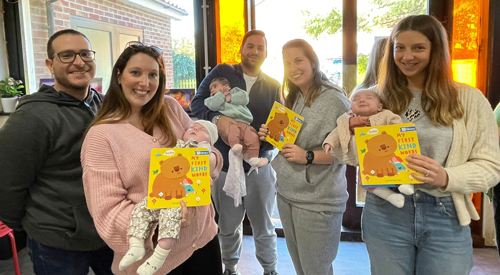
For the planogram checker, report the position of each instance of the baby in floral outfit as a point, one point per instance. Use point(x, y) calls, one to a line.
point(201, 134)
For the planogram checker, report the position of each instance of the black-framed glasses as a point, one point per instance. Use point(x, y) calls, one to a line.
point(70, 56)
point(139, 45)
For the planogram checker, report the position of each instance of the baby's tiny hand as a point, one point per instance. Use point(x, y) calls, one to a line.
point(328, 148)
point(226, 90)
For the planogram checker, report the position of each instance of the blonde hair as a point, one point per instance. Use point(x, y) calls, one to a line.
point(440, 100)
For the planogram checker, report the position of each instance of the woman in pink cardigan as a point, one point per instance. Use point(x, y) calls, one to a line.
point(135, 118)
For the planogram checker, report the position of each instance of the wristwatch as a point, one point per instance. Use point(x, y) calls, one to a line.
point(310, 157)
point(215, 119)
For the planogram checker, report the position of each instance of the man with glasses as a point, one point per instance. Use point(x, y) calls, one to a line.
point(41, 189)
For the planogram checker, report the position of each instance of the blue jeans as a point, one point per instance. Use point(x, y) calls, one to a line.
point(423, 237)
point(54, 261)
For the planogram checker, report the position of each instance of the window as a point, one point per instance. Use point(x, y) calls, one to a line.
point(109, 26)
point(283, 21)
point(108, 41)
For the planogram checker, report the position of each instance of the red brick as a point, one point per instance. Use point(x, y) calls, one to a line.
point(82, 2)
point(82, 14)
point(75, 6)
point(61, 15)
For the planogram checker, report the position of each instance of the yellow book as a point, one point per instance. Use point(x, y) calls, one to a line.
point(382, 152)
point(284, 125)
point(177, 174)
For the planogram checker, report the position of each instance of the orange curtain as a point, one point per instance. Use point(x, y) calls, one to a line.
point(230, 30)
point(464, 46)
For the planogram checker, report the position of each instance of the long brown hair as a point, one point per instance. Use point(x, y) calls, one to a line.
point(116, 107)
point(440, 99)
point(319, 79)
point(374, 59)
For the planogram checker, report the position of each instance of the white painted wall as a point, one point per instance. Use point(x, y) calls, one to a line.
point(27, 41)
point(4, 69)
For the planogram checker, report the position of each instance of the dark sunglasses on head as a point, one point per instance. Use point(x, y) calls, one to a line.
point(138, 45)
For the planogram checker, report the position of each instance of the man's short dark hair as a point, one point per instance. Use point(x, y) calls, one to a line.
point(253, 32)
point(50, 50)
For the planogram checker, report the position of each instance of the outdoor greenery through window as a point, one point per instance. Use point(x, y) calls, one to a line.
point(183, 49)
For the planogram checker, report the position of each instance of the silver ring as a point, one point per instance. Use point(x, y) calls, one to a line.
point(427, 174)
point(287, 155)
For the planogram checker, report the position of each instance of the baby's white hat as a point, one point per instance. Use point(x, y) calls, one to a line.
point(212, 129)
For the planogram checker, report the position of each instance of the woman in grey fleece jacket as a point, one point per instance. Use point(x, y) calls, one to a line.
point(311, 185)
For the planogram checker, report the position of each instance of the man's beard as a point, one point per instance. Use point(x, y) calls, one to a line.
point(68, 84)
point(250, 65)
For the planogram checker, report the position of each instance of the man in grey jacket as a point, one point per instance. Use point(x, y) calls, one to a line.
point(41, 175)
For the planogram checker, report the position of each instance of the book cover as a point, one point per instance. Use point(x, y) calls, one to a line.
point(283, 124)
point(177, 174)
point(382, 151)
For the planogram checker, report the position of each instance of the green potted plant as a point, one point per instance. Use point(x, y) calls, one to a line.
point(10, 91)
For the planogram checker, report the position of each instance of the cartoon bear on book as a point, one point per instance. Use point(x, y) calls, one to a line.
point(380, 153)
point(168, 183)
point(277, 125)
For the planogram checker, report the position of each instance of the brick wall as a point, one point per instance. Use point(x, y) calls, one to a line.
point(156, 28)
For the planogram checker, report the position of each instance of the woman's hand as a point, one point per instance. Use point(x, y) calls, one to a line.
point(188, 214)
point(431, 170)
point(294, 153)
point(263, 132)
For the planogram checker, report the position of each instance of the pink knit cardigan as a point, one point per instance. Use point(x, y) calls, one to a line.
point(115, 160)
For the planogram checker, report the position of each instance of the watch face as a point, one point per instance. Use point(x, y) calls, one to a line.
point(309, 155)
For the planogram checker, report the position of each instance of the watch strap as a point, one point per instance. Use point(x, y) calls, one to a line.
point(215, 119)
point(310, 157)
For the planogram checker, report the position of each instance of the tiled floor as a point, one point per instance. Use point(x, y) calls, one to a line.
point(351, 260)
